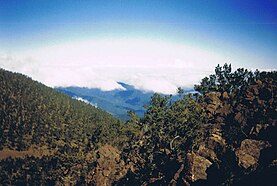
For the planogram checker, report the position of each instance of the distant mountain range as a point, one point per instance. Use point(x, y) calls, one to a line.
point(117, 102)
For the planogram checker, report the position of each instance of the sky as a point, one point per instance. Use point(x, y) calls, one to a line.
point(155, 45)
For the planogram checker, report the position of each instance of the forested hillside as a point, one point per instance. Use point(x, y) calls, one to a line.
point(223, 135)
point(54, 131)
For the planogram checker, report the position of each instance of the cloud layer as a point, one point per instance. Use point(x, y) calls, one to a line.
point(151, 65)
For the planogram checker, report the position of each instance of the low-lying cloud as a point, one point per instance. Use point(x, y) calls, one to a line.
point(147, 64)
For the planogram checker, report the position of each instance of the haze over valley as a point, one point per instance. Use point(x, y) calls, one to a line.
point(148, 92)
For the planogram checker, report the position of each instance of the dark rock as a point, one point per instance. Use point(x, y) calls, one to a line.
point(249, 152)
point(198, 166)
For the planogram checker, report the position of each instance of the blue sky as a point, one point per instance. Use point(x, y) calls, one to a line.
point(243, 33)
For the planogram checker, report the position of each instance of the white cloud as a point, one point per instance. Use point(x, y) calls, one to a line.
point(150, 65)
point(85, 101)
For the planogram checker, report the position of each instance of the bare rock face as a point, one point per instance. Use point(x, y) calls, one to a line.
point(207, 153)
point(198, 166)
point(217, 107)
point(214, 102)
point(216, 139)
point(249, 152)
point(110, 167)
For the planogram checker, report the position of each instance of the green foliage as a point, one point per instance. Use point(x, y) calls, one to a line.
point(165, 120)
point(133, 118)
point(224, 80)
point(169, 129)
point(34, 117)
point(32, 113)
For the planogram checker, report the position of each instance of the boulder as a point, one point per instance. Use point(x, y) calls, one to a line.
point(249, 152)
point(198, 166)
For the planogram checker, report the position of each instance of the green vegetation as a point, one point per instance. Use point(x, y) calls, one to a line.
point(210, 126)
point(36, 118)
point(223, 135)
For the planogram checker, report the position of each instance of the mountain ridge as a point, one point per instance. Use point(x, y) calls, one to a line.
point(117, 102)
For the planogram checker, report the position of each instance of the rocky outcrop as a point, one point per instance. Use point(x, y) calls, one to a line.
point(214, 102)
point(237, 143)
point(216, 140)
point(217, 107)
point(208, 152)
point(198, 166)
point(249, 152)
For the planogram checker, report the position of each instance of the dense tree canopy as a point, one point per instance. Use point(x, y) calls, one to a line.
point(224, 80)
point(35, 120)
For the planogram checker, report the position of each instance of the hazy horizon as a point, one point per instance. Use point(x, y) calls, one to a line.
point(153, 45)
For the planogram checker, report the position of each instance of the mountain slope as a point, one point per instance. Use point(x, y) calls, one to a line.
point(32, 113)
point(46, 129)
point(117, 102)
